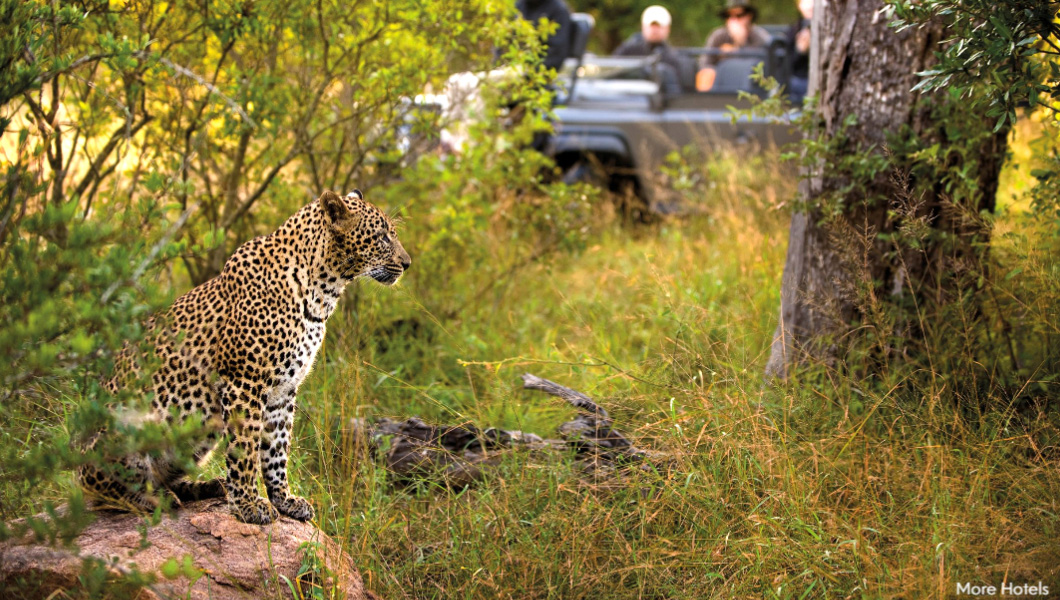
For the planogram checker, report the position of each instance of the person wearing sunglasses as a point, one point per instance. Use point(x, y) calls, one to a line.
point(738, 33)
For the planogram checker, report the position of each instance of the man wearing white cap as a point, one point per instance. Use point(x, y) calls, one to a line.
point(652, 39)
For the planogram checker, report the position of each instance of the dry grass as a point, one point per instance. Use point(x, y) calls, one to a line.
point(831, 485)
point(823, 487)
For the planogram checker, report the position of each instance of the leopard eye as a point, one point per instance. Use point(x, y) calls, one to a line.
point(386, 239)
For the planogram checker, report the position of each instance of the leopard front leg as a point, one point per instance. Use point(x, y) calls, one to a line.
point(275, 445)
point(243, 427)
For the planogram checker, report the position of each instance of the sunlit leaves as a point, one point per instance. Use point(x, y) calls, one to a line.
point(1002, 57)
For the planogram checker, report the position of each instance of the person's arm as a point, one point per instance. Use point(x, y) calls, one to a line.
point(714, 42)
point(626, 48)
point(759, 37)
point(802, 41)
point(705, 79)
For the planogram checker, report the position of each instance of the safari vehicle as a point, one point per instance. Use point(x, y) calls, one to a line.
point(616, 122)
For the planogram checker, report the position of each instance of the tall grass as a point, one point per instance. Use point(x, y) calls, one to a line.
point(825, 486)
point(822, 487)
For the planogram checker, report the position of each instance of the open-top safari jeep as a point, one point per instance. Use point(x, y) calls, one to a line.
point(617, 120)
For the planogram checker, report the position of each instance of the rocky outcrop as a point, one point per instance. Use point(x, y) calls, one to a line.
point(200, 552)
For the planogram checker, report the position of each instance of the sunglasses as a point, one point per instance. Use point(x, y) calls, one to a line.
point(737, 14)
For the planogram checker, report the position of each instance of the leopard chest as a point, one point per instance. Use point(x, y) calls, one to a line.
point(306, 348)
point(306, 338)
point(298, 362)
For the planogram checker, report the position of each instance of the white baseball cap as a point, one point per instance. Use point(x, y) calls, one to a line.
point(655, 14)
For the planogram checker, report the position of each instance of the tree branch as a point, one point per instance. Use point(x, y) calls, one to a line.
point(47, 76)
point(212, 88)
point(123, 133)
point(146, 262)
point(245, 206)
point(575, 398)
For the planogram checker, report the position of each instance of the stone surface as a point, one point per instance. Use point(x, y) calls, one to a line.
point(231, 559)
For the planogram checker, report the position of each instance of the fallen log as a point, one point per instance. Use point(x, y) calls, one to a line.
point(591, 430)
point(460, 454)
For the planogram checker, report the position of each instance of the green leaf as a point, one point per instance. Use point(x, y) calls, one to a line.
point(1001, 121)
point(170, 569)
point(189, 569)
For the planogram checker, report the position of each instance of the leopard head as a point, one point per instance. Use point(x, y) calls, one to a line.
point(363, 241)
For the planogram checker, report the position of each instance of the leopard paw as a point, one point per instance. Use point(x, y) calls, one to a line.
point(296, 507)
point(255, 510)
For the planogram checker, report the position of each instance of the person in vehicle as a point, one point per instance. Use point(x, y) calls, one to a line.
point(798, 51)
point(558, 44)
point(652, 39)
point(738, 33)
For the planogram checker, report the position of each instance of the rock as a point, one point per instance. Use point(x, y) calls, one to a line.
point(200, 552)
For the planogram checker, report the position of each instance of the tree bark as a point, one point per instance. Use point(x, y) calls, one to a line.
point(838, 268)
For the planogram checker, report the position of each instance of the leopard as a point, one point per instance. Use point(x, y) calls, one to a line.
point(231, 353)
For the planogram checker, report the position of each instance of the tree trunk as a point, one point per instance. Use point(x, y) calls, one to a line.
point(841, 268)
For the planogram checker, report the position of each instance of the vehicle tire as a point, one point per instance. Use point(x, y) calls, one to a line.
point(629, 204)
point(621, 190)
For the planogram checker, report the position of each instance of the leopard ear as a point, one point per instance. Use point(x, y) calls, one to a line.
point(333, 207)
point(337, 214)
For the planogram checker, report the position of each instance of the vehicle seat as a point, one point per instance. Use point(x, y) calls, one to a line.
point(581, 26)
point(734, 75)
point(687, 73)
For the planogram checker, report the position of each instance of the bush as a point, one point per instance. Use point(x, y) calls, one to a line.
point(151, 142)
